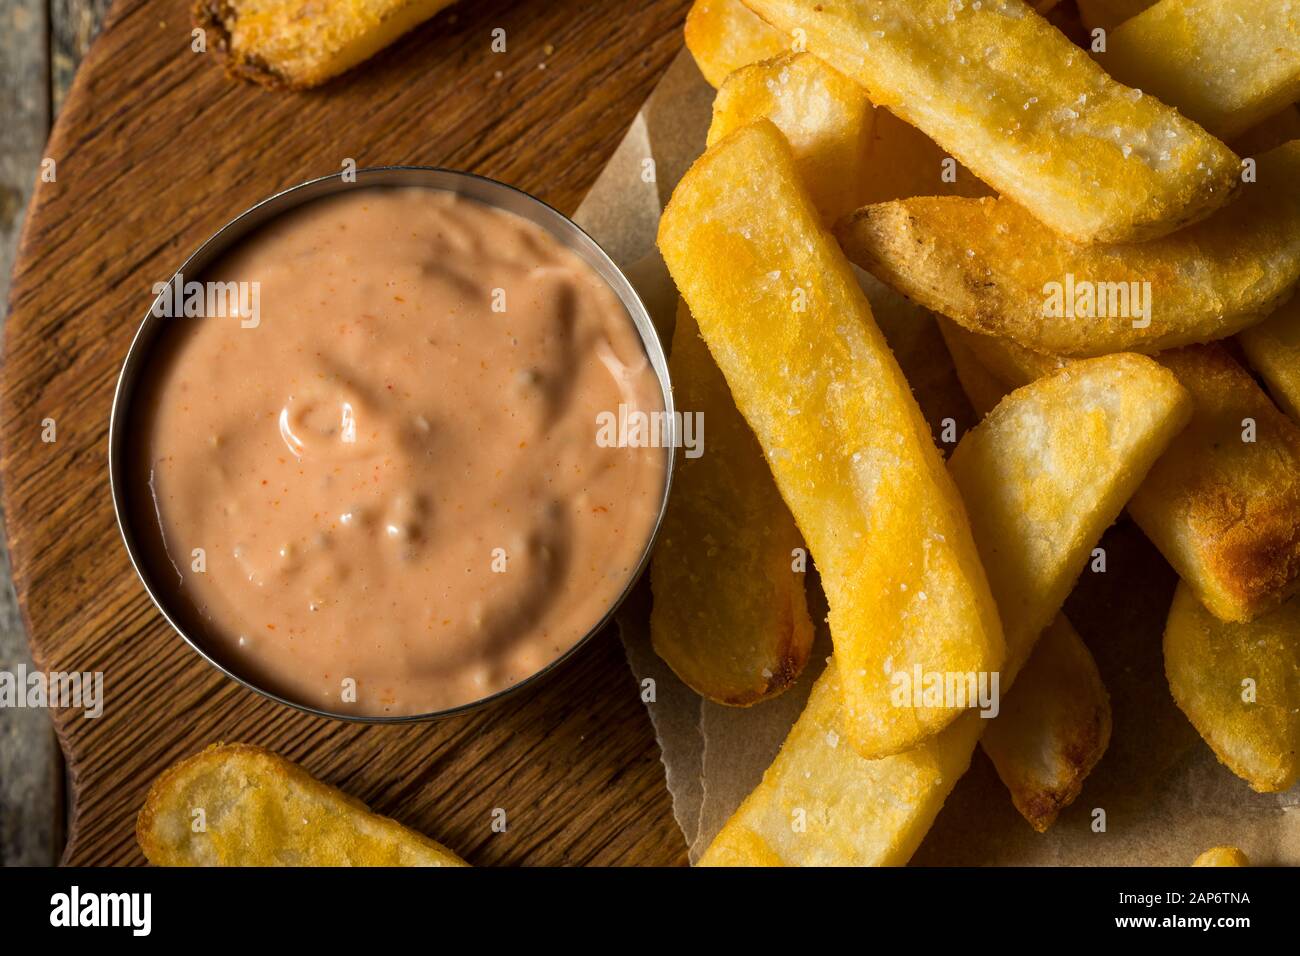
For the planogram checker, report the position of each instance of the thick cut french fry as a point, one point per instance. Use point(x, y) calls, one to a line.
point(785, 320)
point(1108, 14)
point(820, 802)
point(1273, 350)
point(1222, 856)
point(1226, 64)
point(724, 35)
point(283, 43)
point(988, 265)
point(1034, 530)
point(1222, 510)
point(1239, 685)
point(825, 117)
point(1007, 94)
point(1053, 727)
point(1223, 503)
point(259, 809)
point(730, 613)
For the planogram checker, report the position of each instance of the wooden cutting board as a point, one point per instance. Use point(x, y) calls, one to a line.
point(154, 150)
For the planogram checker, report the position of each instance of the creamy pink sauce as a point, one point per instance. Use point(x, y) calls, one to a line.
point(395, 487)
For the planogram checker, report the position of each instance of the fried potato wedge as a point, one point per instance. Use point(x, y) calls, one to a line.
point(240, 805)
point(1273, 350)
point(1030, 113)
point(724, 35)
point(988, 265)
point(1222, 856)
point(1239, 685)
point(730, 614)
point(283, 43)
point(1223, 503)
point(1226, 64)
point(825, 117)
point(1108, 14)
point(1222, 510)
point(1053, 727)
point(1043, 503)
point(787, 323)
point(821, 803)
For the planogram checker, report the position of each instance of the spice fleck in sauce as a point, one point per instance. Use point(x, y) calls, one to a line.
point(392, 482)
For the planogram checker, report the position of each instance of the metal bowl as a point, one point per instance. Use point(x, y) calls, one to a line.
point(486, 191)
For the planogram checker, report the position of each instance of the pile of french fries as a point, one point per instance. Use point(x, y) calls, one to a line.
point(1100, 205)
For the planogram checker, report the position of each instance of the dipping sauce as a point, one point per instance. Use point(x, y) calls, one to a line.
point(384, 494)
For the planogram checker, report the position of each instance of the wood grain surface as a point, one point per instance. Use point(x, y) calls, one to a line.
point(155, 149)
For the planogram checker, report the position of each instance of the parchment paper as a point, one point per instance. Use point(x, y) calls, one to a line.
point(1164, 796)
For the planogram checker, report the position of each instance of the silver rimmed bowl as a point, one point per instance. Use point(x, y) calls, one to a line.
point(483, 190)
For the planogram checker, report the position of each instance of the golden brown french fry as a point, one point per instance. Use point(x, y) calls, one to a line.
point(1007, 94)
point(1108, 14)
point(1053, 728)
point(278, 43)
point(259, 809)
point(983, 389)
point(1222, 856)
point(1239, 685)
point(724, 35)
point(730, 614)
point(1222, 510)
point(1223, 503)
point(1226, 64)
point(1068, 448)
point(1035, 532)
point(987, 264)
point(825, 117)
point(1273, 350)
point(791, 330)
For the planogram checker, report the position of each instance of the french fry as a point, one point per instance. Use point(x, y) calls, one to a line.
point(1029, 112)
point(988, 265)
point(825, 117)
point(279, 43)
point(259, 809)
point(730, 615)
point(724, 35)
point(1222, 510)
point(1093, 429)
point(1273, 350)
point(1223, 503)
point(1239, 685)
point(1053, 727)
point(1108, 14)
point(1034, 532)
point(1222, 856)
point(788, 325)
point(1226, 64)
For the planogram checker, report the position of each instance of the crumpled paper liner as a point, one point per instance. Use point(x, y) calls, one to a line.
point(1158, 797)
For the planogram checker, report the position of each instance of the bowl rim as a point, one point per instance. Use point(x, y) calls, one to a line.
point(483, 189)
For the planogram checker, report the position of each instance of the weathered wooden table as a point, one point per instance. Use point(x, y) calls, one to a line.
point(155, 149)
